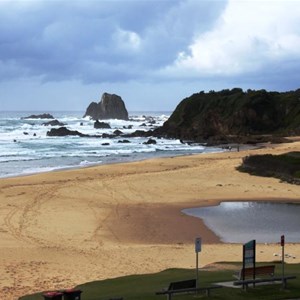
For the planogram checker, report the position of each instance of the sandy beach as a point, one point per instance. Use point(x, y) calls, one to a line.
point(65, 228)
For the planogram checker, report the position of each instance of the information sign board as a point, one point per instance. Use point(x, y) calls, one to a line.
point(282, 241)
point(249, 257)
point(249, 252)
point(198, 245)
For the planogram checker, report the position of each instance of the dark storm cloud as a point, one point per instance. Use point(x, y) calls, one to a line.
point(98, 40)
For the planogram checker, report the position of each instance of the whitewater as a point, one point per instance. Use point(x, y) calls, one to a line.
point(26, 149)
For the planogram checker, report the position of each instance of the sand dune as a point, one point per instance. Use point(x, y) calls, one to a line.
point(63, 228)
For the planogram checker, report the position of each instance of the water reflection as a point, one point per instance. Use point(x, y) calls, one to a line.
point(238, 222)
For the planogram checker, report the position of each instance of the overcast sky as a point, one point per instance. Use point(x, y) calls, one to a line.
point(63, 54)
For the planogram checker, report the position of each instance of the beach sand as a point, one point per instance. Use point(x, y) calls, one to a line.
point(65, 228)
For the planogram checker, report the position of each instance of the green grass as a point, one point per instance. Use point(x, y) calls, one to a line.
point(144, 286)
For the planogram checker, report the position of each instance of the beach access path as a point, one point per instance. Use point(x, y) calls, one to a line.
point(64, 228)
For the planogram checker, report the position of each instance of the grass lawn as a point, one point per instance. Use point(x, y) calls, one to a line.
point(143, 287)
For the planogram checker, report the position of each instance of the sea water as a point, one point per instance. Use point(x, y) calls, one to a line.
point(240, 222)
point(25, 147)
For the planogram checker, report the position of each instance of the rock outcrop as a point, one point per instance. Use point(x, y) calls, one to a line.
point(234, 115)
point(101, 125)
point(41, 116)
point(150, 142)
point(54, 123)
point(63, 131)
point(111, 106)
point(124, 142)
point(118, 132)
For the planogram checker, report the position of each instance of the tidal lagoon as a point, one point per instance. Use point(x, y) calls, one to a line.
point(238, 222)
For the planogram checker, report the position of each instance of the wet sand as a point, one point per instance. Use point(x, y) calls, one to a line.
point(64, 228)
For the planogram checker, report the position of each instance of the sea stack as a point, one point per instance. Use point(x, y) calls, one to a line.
point(111, 106)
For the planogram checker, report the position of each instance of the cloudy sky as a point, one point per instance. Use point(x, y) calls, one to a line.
point(63, 54)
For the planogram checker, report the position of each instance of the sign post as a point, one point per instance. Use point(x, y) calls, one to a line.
point(249, 254)
point(197, 250)
point(282, 242)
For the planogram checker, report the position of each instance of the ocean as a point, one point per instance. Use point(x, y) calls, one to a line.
point(26, 148)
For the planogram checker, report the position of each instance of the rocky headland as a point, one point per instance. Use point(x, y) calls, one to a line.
point(235, 116)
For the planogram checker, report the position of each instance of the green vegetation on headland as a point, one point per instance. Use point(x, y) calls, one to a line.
point(235, 116)
point(138, 287)
point(285, 166)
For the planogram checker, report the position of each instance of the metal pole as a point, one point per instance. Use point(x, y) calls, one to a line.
point(254, 261)
point(197, 267)
point(244, 265)
point(283, 286)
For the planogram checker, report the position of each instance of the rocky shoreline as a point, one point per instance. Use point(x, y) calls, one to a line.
point(229, 118)
point(212, 119)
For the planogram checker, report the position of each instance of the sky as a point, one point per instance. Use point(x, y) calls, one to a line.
point(63, 54)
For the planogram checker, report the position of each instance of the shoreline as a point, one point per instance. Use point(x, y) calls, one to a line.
point(124, 160)
point(93, 165)
point(63, 228)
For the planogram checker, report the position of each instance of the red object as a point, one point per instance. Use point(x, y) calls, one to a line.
point(282, 241)
point(53, 295)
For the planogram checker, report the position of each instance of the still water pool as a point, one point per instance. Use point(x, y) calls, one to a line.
point(239, 222)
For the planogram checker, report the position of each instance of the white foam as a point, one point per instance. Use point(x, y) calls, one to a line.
point(42, 153)
point(90, 163)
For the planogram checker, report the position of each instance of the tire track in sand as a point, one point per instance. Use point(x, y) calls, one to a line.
point(21, 218)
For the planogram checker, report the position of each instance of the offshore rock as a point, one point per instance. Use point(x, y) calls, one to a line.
point(111, 106)
point(139, 133)
point(41, 116)
point(150, 142)
point(118, 132)
point(101, 125)
point(53, 123)
point(123, 142)
point(63, 131)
